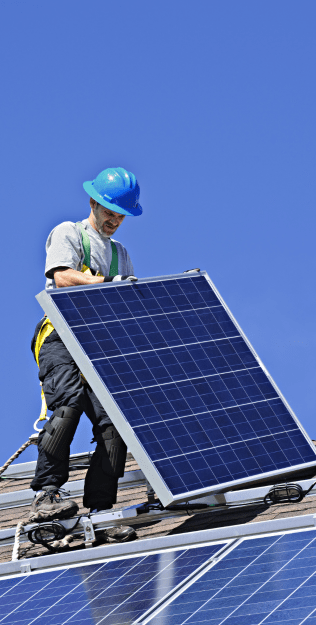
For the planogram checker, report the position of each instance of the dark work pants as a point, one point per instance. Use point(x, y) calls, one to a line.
point(62, 385)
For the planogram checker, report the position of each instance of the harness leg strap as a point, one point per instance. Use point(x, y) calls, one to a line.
point(59, 431)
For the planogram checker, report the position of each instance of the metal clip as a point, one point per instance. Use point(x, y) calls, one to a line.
point(89, 534)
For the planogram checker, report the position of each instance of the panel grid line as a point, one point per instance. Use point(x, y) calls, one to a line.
point(290, 595)
point(275, 576)
point(161, 571)
point(197, 414)
point(267, 581)
point(200, 377)
point(30, 598)
point(170, 348)
point(150, 316)
point(104, 589)
point(120, 590)
point(246, 440)
point(228, 583)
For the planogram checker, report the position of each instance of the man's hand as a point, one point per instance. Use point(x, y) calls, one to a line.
point(64, 276)
point(119, 278)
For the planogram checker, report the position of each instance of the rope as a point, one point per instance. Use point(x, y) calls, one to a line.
point(32, 440)
point(16, 546)
point(16, 455)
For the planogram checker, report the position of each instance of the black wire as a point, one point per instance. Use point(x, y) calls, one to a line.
point(75, 525)
point(284, 493)
point(310, 488)
point(56, 529)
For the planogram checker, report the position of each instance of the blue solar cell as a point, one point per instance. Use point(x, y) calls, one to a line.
point(116, 592)
point(170, 355)
point(270, 580)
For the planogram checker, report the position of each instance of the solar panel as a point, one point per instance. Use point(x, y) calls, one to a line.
point(181, 382)
point(263, 580)
point(115, 592)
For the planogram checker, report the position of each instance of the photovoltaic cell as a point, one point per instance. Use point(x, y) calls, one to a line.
point(269, 580)
point(178, 367)
point(114, 593)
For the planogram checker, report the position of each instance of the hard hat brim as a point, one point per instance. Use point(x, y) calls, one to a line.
point(89, 188)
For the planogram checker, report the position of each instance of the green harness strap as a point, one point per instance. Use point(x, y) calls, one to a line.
point(87, 251)
point(114, 261)
point(85, 244)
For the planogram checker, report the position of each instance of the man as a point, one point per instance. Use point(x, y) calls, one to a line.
point(81, 254)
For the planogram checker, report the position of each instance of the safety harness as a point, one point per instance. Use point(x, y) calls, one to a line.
point(47, 327)
point(87, 254)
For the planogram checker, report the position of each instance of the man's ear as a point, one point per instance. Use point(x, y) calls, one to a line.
point(93, 203)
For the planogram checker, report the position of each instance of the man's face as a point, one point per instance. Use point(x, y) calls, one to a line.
point(105, 220)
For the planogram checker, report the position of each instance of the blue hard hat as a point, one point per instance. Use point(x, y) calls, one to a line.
point(116, 189)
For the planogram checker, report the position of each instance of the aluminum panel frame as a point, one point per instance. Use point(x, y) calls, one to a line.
point(122, 425)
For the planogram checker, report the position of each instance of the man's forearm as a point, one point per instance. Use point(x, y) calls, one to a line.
point(71, 277)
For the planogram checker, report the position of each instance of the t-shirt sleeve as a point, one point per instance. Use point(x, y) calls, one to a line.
point(125, 265)
point(130, 268)
point(63, 248)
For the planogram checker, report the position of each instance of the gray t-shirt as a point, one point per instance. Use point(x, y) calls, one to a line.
point(64, 249)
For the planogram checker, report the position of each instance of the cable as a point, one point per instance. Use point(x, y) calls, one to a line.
point(33, 539)
point(70, 529)
point(52, 535)
point(281, 493)
point(310, 488)
point(46, 533)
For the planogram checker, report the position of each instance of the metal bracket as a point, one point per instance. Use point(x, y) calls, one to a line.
point(89, 535)
point(26, 568)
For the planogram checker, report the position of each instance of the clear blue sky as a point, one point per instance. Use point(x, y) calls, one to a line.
point(212, 105)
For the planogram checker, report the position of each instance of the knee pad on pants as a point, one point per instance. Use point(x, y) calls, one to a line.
point(59, 431)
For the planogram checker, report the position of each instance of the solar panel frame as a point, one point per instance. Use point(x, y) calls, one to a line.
point(126, 431)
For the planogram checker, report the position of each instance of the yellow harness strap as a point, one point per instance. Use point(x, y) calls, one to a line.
point(45, 330)
point(86, 269)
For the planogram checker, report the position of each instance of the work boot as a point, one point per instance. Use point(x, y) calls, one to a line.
point(48, 504)
point(119, 534)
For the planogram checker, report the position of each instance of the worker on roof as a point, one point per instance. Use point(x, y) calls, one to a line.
point(81, 253)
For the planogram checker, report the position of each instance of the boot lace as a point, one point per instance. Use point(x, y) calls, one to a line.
point(56, 495)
